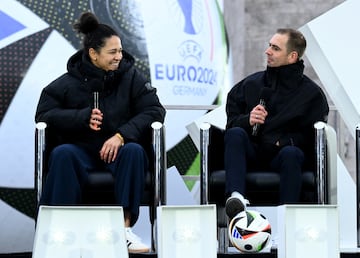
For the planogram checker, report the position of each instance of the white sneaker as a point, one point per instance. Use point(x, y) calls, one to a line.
point(134, 243)
point(235, 204)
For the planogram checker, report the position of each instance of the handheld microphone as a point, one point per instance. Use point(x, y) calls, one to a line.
point(264, 97)
point(96, 86)
point(96, 99)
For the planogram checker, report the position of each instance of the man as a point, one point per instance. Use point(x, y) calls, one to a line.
point(270, 118)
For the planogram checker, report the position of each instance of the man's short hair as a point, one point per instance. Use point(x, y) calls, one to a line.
point(296, 41)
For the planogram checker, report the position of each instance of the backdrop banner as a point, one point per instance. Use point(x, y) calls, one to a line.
point(180, 45)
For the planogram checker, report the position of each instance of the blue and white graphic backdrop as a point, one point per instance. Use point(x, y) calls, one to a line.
point(180, 44)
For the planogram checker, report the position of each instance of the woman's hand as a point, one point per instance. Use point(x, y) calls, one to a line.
point(110, 148)
point(96, 119)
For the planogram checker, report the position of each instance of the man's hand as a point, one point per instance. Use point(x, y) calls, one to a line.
point(258, 115)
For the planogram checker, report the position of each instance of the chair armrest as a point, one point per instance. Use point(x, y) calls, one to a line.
point(40, 129)
point(357, 151)
point(160, 163)
point(204, 157)
point(331, 152)
point(326, 167)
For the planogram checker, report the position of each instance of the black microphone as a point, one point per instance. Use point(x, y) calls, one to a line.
point(96, 86)
point(264, 97)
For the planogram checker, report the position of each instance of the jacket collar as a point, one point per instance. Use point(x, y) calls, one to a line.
point(284, 78)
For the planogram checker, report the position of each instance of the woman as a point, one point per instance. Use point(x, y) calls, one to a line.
point(102, 108)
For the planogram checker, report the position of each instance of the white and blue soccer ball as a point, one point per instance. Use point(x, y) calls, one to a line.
point(249, 231)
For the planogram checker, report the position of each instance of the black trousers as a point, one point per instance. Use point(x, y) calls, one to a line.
point(241, 157)
point(68, 173)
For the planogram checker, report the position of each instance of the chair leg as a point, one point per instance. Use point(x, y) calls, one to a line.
point(153, 236)
point(221, 248)
point(223, 240)
point(226, 239)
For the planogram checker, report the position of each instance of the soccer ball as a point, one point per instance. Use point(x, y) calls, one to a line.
point(249, 231)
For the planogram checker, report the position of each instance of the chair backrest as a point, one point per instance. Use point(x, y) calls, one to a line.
point(100, 188)
point(319, 184)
